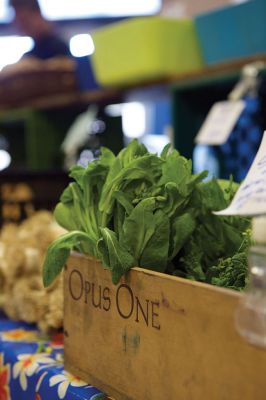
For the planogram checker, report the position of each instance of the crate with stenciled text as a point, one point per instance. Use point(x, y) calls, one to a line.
point(155, 336)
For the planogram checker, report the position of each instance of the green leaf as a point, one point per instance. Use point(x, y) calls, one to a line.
point(113, 255)
point(107, 157)
point(209, 237)
point(140, 170)
point(65, 217)
point(139, 227)
point(155, 253)
point(58, 252)
point(229, 188)
point(78, 208)
point(175, 199)
point(192, 261)
point(175, 169)
point(181, 229)
point(124, 199)
point(212, 197)
point(166, 151)
point(133, 151)
point(87, 190)
point(231, 272)
point(72, 199)
point(118, 220)
point(93, 181)
point(67, 196)
point(77, 172)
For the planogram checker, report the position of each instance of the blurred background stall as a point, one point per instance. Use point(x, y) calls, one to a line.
point(78, 75)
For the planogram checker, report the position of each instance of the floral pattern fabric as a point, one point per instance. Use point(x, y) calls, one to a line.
point(31, 367)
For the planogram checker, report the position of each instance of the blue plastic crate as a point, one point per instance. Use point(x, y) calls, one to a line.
point(232, 32)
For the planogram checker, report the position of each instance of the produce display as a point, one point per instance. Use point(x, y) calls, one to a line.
point(22, 249)
point(141, 209)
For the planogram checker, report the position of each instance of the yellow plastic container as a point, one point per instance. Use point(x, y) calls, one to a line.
point(145, 48)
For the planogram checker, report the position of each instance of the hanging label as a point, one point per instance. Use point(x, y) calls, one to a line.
point(220, 122)
point(250, 199)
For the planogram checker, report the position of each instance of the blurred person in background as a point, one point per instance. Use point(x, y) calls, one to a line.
point(29, 21)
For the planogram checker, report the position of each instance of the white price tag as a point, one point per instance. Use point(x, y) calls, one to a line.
point(250, 199)
point(220, 122)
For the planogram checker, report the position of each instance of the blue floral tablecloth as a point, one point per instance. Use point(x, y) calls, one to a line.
point(31, 367)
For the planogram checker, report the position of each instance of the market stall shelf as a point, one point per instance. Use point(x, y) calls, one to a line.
point(156, 336)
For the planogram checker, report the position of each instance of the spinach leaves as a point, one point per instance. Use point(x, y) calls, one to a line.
point(142, 209)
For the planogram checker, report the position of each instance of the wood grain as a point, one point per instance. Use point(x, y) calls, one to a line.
point(157, 337)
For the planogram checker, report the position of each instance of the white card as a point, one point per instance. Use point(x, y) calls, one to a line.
point(220, 122)
point(250, 199)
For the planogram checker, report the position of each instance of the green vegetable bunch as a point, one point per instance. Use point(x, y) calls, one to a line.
point(217, 250)
point(147, 210)
point(231, 272)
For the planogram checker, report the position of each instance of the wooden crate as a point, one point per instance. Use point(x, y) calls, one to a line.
point(157, 337)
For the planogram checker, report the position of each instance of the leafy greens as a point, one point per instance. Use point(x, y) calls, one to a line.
point(152, 211)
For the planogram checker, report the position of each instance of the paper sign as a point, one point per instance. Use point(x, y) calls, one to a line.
point(250, 199)
point(220, 122)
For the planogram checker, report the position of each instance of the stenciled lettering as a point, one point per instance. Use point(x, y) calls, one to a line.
point(87, 290)
point(144, 314)
point(128, 305)
point(118, 300)
point(96, 296)
point(75, 281)
point(106, 299)
point(155, 307)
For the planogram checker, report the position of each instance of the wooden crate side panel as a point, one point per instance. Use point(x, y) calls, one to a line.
point(155, 337)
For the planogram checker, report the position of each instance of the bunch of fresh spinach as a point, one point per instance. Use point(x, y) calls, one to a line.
point(142, 209)
point(217, 250)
